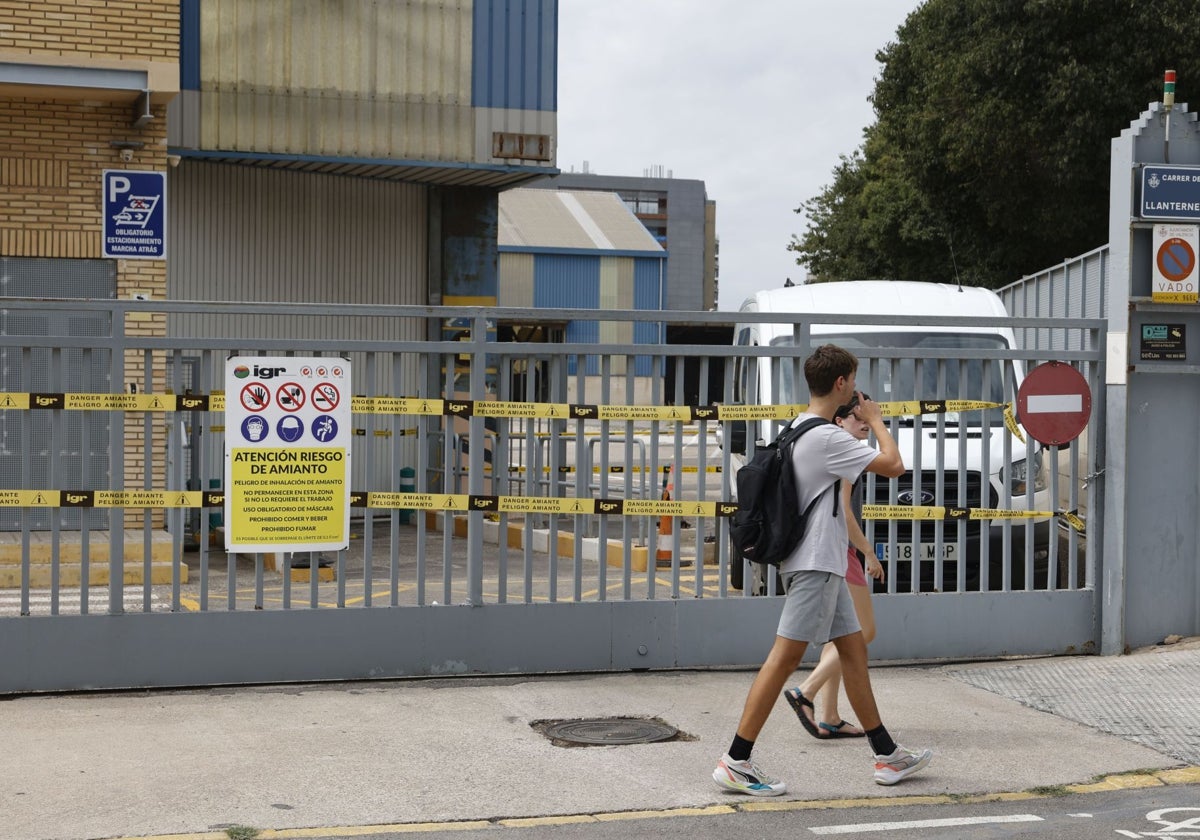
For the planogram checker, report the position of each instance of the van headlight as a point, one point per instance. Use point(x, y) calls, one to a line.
point(1017, 475)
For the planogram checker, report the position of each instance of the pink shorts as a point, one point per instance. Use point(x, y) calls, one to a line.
point(854, 568)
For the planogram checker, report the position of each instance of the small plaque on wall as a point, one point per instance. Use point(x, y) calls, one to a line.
point(1162, 342)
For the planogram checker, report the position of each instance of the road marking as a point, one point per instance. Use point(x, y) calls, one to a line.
point(860, 828)
point(69, 601)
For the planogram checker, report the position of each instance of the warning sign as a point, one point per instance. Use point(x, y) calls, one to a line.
point(1175, 274)
point(287, 459)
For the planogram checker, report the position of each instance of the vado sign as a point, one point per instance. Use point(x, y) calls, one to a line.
point(287, 454)
point(1175, 274)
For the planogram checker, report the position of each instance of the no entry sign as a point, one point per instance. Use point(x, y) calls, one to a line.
point(1054, 403)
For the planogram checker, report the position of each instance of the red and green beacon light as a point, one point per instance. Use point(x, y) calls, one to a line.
point(1169, 89)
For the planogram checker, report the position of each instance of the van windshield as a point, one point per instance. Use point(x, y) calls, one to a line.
point(890, 379)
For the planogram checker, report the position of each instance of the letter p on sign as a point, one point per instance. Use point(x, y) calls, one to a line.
point(117, 186)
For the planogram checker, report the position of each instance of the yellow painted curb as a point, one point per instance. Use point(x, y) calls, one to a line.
point(527, 822)
point(1127, 781)
point(1121, 781)
point(366, 830)
point(1180, 776)
point(710, 811)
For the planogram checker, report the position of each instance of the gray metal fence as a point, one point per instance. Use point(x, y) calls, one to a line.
point(431, 586)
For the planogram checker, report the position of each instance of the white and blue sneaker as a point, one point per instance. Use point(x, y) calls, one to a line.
point(746, 777)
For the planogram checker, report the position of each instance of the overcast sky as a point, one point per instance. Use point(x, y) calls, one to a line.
point(757, 98)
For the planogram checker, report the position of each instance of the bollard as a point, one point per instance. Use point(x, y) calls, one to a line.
point(666, 524)
point(407, 485)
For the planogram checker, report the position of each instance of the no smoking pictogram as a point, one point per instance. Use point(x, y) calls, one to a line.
point(326, 396)
point(1176, 260)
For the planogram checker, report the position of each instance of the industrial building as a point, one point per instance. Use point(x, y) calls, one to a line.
point(680, 216)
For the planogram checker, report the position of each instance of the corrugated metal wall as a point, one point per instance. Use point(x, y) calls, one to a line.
point(516, 280)
point(332, 78)
point(1075, 288)
point(248, 233)
point(239, 233)
point(516, 54)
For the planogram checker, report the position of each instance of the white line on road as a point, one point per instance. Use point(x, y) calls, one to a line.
point(860, 828)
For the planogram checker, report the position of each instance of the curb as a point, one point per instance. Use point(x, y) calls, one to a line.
point(1189, 775)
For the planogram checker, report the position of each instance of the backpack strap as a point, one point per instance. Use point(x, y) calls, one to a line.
point(810, 423)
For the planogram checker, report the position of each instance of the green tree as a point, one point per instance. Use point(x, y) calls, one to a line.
point(989, 156)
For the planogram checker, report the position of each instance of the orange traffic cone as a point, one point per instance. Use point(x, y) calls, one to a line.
point(666, 525)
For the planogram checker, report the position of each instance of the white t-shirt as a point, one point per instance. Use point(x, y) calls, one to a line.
point(820, 457)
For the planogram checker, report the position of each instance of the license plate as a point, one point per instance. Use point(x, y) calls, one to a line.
point(904, 551)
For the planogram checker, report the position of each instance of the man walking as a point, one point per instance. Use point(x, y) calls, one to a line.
point(818, 608)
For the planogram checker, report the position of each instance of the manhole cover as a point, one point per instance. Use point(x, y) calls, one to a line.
point(610, 731)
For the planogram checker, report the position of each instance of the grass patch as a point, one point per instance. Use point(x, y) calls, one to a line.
point(1051, 790)
point(241, 832)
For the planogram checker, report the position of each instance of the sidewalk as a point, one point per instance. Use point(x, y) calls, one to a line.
point(182, 762)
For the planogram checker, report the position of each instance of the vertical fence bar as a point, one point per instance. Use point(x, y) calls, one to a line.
point(116, 443)
point(368, 537)
point(56, 479)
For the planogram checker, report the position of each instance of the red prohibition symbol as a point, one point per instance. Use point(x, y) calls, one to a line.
point(326, 397)
point(290, 396)
point(1176, 260)
point(255, 396)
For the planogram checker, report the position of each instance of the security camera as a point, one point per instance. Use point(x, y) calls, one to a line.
point(127, 155)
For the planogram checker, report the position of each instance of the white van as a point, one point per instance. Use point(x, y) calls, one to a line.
point(903, 360)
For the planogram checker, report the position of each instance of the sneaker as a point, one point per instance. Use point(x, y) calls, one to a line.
point(746, 777)
point(890, 769)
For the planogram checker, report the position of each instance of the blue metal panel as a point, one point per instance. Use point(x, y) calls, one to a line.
point(565, 282)
point(189, 44)
point(570, 281)
point(648, 277)
point(646, 333)
point(515, 55)
point(584, 332)
point(649, 274)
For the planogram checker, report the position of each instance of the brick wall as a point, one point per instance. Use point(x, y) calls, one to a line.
point(55, 145)
point(147, 29)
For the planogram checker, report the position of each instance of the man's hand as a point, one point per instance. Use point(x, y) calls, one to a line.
point(868, 410)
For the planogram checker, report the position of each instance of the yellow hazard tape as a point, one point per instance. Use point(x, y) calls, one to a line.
point(110, 498)
point(1010, 423)
point(486, 408)
point(409, 501)
point(495, 504)
point(538, 504)
point(956, 513)
point(621, 469)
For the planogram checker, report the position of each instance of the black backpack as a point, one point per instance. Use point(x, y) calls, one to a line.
point(768, 525)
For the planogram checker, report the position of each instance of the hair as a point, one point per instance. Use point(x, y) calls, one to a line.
point(825, 365)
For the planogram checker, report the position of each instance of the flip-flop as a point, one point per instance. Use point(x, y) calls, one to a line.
point(834, 730)
point(799, 702)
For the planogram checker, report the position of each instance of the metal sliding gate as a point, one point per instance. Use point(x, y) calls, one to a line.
point(518, 507)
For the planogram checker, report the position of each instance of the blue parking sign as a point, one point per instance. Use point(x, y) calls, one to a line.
point(135, 214)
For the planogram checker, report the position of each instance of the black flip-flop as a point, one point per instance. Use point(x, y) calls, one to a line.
point(798, 702)
point(835, 730)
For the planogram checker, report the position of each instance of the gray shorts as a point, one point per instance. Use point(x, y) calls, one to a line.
point(817, 608)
